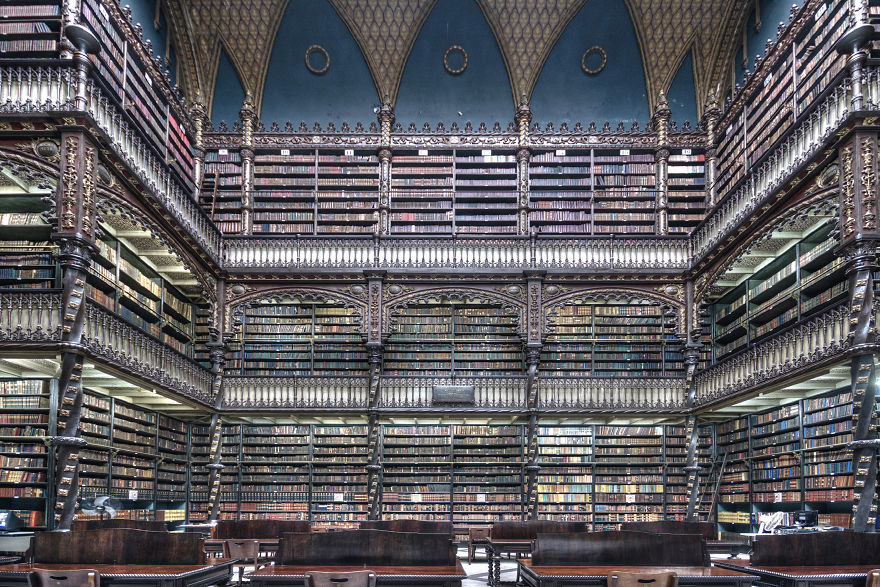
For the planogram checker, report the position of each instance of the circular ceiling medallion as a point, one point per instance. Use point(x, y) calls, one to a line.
point(598, 68)
point(455, 51)
point(317, 70)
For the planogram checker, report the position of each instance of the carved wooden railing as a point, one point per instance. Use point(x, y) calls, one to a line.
point(803, 143)
point(295, 392)
point(616, 394)
point(800, 346)
point(52, 90)
point(417, 392)
point(30, 317)
point(600, 253)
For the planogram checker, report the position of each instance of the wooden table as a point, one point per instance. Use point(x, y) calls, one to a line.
point(497, 547)
point(803, 576)
point(555, 576)
point(268, 546)
point(216, 571)
point(450, 576)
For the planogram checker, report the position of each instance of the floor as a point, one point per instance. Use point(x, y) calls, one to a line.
point(478, 571)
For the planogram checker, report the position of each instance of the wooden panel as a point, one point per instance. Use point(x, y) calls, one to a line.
point(531, 529)
point(258, 528)
point(817, 549)
point(620, 548)
point(365, 547)
point(118, 546)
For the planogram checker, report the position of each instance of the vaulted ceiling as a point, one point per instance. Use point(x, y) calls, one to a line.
point(526, 32)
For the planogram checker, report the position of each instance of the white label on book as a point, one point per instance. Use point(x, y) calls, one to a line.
point(560, 152)
point(223, 152)
point(103, 12)
point(349, 152)
point(132, 494)
point(630, 498)
point(285, 151)
point(823, 8)
point(768, 79)
point(481, 497)
point(338, 497)
point(423, 152)
point(777, 497)
point(624, 151)
point(487, 152)
point(416, 497)
point(685, 151)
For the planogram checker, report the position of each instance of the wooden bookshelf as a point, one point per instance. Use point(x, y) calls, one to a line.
point(30, 29)
point(485, 192)
point(609, 340)
point(299, 338)
point(230, 482)
point(565, 479)
point(487, 482)
point(416, 472)
point(628, 475)
point(801, 282)
point(624, 183)
point(275, 472)
point(220, 193)
point(561, 192)
point(676, 450)
point(199, 458)
point(465, 339)
point(172, 464)
point(422, 191)
point(686, 189)
point(25, 463)
point(339, 478)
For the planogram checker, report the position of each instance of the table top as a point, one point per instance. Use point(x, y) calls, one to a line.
point(455, 571)
point(118, 570)
point(603, 570)
point(800, 571)
point(511, 541)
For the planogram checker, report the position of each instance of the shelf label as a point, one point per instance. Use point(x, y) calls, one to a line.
point(338, 497)
point(777, 497)
point(685, 151)
point(132, 494)
point(560, 152)
point(823, 8)
point(487, 152)
point(103, 12)
point(481, 497)
point(768, 79)
point(729, 129)
point(349, 152)
point(285, 151)
point(423, 152)
point(630, 498)
point(417, 497)
point(223, 151)
point(624, 151)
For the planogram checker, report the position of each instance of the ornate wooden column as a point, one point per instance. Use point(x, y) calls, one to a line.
point(691, 357)
point(660, 123)
point(374, 349)
point(711, 116)
point(75, 232)
point(859, 239)
point(217, 349)
point(197, 115)
point(247, 115)
point(386, 119)
point(533, 359)
point(523, 118)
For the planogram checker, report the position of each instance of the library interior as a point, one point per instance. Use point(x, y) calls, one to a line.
point(320, 272)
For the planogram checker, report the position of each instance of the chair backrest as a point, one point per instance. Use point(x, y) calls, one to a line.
point(349, 579)
point(246, 550)
point(620, 548)
point(530, 529)
point(366, 548)
point(621, 579)
point(873, 579)
point(63, 578)
point(707, 530)
point(258, 528)
point(118, 546)
point(426, 526)
point(80, 525)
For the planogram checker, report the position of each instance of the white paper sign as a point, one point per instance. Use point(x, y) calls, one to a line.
point(481, 497)
point(349, 152)
point(417, 497)
point(338, 497)
point(423, 152)
point(285, 151)
point(132, 494)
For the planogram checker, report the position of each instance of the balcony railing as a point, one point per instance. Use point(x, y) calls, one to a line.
point(418, 392)
point(295, 392)
point(35, 89)
point(30, 317)
point(798, 347)
point(616, 394)
point(401, 253)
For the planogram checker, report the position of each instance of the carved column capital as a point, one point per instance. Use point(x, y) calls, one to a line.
point(660, 120)
point(386, 119)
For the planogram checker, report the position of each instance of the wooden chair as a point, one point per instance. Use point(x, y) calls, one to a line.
point(247, 552)
point(621, 579)
point(477, 538)
point(77, 578)
point(873, 579)
point(349, 579)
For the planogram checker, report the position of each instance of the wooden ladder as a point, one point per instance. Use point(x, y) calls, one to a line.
point(702, 497)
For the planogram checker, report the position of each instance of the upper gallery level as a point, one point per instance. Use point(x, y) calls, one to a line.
point(259, 197)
